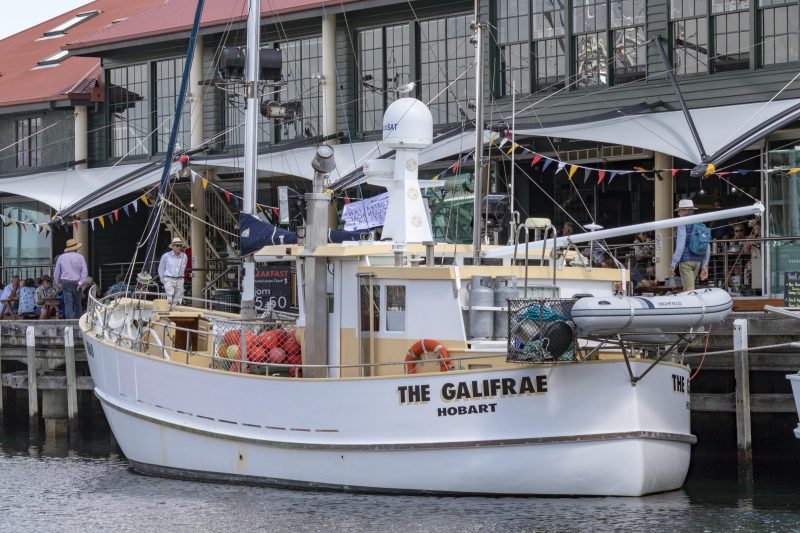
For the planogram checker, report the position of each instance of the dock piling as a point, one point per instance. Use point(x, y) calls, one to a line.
point(72, 387)
point(33, 389)
point(742, 376)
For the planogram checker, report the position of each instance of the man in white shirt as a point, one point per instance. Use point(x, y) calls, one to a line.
point(170, 271)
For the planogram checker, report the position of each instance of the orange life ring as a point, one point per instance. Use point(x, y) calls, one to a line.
point(427, 346)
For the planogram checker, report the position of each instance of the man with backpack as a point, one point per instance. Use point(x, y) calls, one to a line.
point(692, 250)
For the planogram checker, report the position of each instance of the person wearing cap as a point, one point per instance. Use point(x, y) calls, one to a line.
point(46, 299)
point(170, 271)
point(689, 264)
point(70, 273)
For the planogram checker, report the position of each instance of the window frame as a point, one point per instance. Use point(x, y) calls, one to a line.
point(26, 154)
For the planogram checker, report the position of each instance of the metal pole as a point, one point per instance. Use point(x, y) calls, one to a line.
point(742, 374)
point(72, 386)
point(33, 389)
point(478, 156)
point(250, 146)
point(512, 225)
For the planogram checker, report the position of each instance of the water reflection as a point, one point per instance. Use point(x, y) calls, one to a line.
point(86, 483)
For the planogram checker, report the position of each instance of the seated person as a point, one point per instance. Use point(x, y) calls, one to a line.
point(753, 240)
point(118, 286)
point(8, 299)
point(27, 298)
point(643, 276)
point(46, 299)
point(643, 244)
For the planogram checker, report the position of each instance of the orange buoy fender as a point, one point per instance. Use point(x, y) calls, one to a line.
point(427, 346)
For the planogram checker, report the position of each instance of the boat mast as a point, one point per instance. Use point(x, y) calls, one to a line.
point(251, 145)
point(477, 38)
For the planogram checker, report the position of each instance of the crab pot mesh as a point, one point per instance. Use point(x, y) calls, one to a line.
point(265, 345)
point(541, 330)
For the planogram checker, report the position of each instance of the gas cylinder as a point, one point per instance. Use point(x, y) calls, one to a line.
point(481, 322)
point(505, 288)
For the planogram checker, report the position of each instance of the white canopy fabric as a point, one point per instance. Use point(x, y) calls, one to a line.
point(62, 188)
point(668, 132)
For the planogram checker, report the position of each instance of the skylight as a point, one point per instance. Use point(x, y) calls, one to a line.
point(80, 18)
point(54, 59)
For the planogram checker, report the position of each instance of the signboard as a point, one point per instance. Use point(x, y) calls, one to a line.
point(791, 289)
point(273, 287)
point(365, 214)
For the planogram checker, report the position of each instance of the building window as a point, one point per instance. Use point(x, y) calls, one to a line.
point(26, 247)
point(446, 54)
point(302, 65)
point(779, 24)
point(128, 106)
point(731, 20)
point(549, 44)
point(395, 308)
point(29, 145)
point(629, 39)
point(384, 63)
point(513, 36)
point(168, 74)
point(591, 53)
point(689, 36)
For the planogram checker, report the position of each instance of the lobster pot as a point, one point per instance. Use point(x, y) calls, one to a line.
point(481, 321)
point(541, 331)
point(505, 289)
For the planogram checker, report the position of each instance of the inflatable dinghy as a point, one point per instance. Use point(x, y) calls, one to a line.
point(651, 315)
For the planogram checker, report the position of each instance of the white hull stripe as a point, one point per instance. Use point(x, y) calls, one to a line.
point(560, 439)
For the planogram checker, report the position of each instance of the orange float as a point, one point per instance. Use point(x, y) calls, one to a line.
point(427, 346)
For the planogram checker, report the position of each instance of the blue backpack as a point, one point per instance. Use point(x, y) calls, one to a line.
point(697, 239)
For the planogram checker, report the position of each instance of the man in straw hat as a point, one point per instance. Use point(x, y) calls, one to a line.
point(689, 263)
point(69, 274)
point(171, 269)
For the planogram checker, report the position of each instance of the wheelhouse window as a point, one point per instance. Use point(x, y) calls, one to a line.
point(629, 38)
point(384, 63)
point(302, 66)
point(29, 145)
point(779, 31)
point(689, 36)
point(128, 107)
point(589, 23)
point(447, 77)
point(513, 36)
point(395, 308)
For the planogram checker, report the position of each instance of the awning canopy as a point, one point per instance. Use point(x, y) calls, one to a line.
point(668, 132)
point(62, 188)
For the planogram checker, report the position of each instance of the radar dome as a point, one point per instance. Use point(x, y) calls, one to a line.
point(407, 123)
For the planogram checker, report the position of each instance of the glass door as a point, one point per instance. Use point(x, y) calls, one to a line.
point(783, 214)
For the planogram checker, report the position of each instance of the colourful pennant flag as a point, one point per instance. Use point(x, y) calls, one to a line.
point(547, 163)
point(571, 171)
point(455, 166)
point(536, 159)
point(228, 196)
point(601, 175)
point(102, 221)
point(116, 214)
point(74, 225)
point(710, 169)
point(742, 171)
point(513, 147)
point(126, 209)
point(205, 183)
point(613, 175)
point(135, 205)
point(586, 173)
point(143, 198)
point(639, 169)
point(561, 166)
point(793, 170)
point(91, 222)
point(675, 171)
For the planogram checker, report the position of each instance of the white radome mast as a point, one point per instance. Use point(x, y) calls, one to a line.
point(408, 129)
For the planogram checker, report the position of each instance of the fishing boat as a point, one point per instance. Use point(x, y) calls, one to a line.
point(410, 366)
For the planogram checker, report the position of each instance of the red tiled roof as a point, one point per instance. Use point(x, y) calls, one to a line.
point(174, 16)
point(22, 83)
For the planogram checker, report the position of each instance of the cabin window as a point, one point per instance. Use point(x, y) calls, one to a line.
point(129, 109)
point(395, 308)
point(589, 22)
point(369, 311)
point(549, 44)
point(513, 36)
point(168, 76)
point(779, 22)
point(629, 39)
point(689, 36)
point(731, 21)
point(446, 58)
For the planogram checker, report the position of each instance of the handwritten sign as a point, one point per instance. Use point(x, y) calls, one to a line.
point(791, 289)
point(273, 287)
point(365, 214)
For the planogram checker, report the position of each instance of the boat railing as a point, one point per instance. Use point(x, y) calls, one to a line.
point(265, 345)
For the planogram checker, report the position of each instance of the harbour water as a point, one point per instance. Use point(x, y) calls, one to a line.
point(85, 484)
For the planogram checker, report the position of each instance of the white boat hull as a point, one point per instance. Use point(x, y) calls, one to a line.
point(795, 380)
point(583, 430)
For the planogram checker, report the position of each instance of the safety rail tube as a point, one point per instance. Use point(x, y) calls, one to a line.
point(514, 261)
